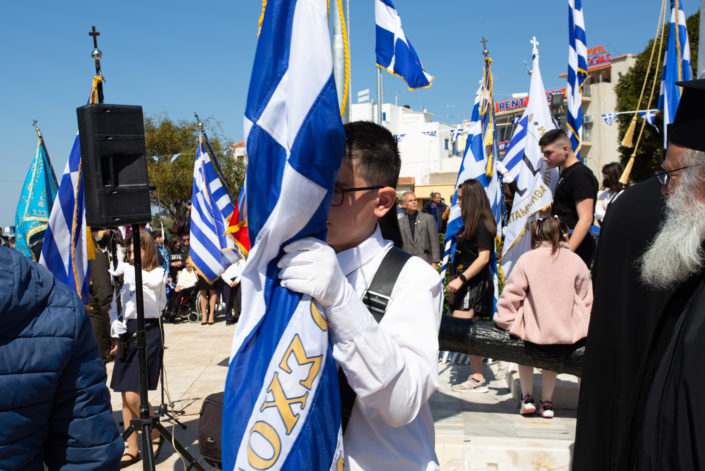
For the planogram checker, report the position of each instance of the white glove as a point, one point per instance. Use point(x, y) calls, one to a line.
point(311, 267)
point(117, 328)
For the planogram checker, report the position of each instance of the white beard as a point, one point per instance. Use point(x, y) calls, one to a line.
point(676, 253)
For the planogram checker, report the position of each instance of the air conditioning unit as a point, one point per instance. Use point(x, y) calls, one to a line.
point(587, 118)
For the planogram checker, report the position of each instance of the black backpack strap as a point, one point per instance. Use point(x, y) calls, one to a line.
point(376, 299)
point(379, 292)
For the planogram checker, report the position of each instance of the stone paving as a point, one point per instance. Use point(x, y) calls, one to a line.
point(474, 431)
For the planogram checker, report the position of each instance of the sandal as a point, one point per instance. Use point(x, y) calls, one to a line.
point(158, 443)
point(133, 459)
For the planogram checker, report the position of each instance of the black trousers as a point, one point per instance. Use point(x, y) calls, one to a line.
point(232, 297)
point(100, 321)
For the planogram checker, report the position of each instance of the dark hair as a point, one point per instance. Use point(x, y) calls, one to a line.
point(553, 136)
point(173, 242)
point(375, 151)
point(156, 234)
point(475, 208)
point(613, 171)
point(549, 229)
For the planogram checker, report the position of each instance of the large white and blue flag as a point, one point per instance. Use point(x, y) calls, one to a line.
point(212, 249)
point(577, 73)
point(479, 163)
point(36, 201)
point(394, 51)
point(676, 66)
point(524, 165)
point(64, 251)
point(282, 403)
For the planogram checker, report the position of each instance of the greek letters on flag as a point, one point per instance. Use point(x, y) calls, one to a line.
point(64, 251)
point(394, 51)
point(676, 66)
point(282, 404)
point(577, 73)
point(212, 250)
point(36, 201)
point(523, 163)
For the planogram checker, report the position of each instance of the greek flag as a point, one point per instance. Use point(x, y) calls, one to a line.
point(577, 73)
point(649, 116)
point(479, 163)
point(36, 201)
point(455, 133)
point(64, 248)
point(524, 165)
point(676, 66)
point(282, 404)
point(609, 118)
point(394, 51)
point(212, 250)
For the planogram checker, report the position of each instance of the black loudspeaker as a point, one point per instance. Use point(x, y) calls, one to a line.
point(114, 165)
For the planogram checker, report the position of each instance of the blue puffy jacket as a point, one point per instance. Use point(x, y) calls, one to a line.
point(54, 404)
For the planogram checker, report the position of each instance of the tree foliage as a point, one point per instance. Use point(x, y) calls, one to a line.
point(173, 181)
point(648, 156)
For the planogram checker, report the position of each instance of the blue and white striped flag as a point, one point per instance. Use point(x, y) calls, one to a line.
point(212, 250)
point(64, 249)
point(649, 116)
point(394, 51)
point(282, 403)
point(676, 66)
point(523, 164)
point(577, 73)
point(479, 163)
point(609, 118)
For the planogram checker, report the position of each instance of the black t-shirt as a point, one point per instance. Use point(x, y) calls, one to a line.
point(466, 250)
point(576, 183)
point(176, 256)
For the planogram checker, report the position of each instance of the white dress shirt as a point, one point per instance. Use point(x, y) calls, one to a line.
point(153, 291)
point(391, 366)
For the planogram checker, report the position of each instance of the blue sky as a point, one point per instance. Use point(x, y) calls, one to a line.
point(176, 57)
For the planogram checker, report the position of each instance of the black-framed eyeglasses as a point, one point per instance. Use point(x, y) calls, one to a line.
point(664, 176)
point(339, 193)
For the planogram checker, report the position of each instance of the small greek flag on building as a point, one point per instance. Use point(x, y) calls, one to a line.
point(36, 201)
point(212, 250)
point(281, 407)
point(64, 251)
point(609, 118)
point(676, 66)
point(577, 73)
point(394, 51)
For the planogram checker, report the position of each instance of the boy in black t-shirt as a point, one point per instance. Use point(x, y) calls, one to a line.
point(576, 192)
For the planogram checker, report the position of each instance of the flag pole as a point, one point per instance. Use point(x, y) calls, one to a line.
point(379, 95)
point(211, 153)
point(46, 152)
point(701, 44)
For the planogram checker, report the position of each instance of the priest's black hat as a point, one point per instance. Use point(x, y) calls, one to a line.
point(688, 127)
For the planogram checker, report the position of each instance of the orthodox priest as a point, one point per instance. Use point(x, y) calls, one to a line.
point(664, 425)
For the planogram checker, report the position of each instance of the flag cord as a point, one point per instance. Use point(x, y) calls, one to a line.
point(660, 32)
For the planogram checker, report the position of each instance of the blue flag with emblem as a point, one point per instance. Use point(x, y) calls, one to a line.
point(64, 251)
point(479, 163)
point(212, 250)
point(282, 404)
point(394, 51)
point(676, 66)
point(577, 73)
point(36, 201)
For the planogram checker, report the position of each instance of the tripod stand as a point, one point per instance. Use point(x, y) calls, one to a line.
point(146, 423)
point(165, 409)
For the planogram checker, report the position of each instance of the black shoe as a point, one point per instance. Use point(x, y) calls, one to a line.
point(133, 459)
point(158, 444)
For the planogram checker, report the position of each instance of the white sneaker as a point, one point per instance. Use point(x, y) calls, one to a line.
point(471, 385)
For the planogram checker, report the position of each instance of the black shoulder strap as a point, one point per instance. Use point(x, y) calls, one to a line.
point(376, 299)
point(378, 293)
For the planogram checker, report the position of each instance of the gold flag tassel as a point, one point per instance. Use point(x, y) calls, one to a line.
point(628, 140)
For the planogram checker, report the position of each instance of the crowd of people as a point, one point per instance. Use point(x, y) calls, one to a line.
point(387, 347)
